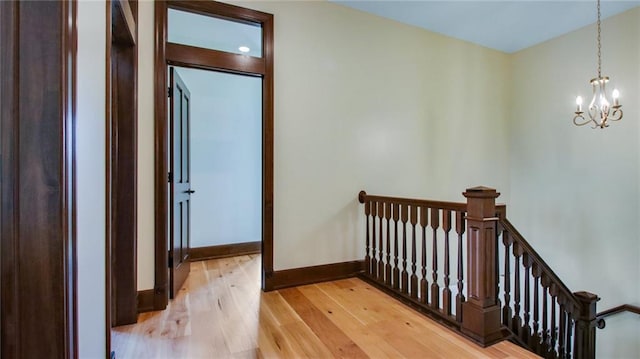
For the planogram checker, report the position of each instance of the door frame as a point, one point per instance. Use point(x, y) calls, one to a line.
point(187, 56)
point(121, 166)
point(38, 244)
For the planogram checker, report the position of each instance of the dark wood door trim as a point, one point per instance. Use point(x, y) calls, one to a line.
point(213, 60)
point(38, 187)
point(121, 161)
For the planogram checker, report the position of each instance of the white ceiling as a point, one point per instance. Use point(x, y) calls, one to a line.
point(504, 25)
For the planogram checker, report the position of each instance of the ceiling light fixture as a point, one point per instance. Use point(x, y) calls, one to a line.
point(599, 108)
point(244, 49)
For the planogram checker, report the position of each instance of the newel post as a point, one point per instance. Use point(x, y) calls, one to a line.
point(481, 311)
point(585, 340)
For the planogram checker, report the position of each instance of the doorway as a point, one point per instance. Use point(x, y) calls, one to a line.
point(220, 58)
point(222, 182)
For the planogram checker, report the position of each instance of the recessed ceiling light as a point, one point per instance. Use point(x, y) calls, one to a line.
point(244, 49)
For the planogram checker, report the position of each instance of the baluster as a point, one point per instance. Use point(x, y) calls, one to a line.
point(460, 228)
point(536, 310)
point(435, 288)
point(374, 249)
point(424, 284)
point(414, 277)
point(554, 328)
point(446, 293)
point(367, 258)
point(506, 309)
point(387, 215)
point(527, 299)
point(405, 274)
point(545, 315)
point(569, 332)
point(516, 322)
point(563, 326)
point(380, 248)
point(396, 269)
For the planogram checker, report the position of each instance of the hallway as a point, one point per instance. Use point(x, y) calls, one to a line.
point(221, 313)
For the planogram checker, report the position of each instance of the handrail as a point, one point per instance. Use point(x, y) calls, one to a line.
point(546, 269)
point(619, 309)
point(453, 206)
point(501, 208)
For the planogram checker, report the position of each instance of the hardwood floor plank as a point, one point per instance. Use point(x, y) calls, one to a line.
point(221, 313)
point(340, 345)
point(373, 345)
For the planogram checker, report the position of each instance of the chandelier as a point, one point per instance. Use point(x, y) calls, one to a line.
point(599, 109)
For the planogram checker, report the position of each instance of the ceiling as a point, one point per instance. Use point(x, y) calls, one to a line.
point(504, 25)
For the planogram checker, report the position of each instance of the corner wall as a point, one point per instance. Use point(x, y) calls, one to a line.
point(90, 177)
point(575, 191)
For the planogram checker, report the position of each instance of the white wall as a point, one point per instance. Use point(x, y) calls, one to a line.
point(363, 102)
point(226, 157)
point(146, 231)
point(90, 157)
point(574, 190)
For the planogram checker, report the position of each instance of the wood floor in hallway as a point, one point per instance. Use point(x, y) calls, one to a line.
point(221, 313)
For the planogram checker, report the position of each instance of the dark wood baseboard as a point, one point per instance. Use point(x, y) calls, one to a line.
point(225, 250)
point(145, 301)
point(315, 274)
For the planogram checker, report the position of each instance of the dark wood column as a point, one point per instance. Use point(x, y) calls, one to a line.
point(585, 341)
point(37, 213)
point(481, 311)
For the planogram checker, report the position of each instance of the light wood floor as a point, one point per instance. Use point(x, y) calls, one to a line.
point(221, 313)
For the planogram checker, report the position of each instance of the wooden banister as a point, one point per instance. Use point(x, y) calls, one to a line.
point(453, 206)
point(539, 311)
point(619, 309)
point(537, 259)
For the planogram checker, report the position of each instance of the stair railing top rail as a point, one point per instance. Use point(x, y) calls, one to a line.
point(453, 206)
point(556, 285)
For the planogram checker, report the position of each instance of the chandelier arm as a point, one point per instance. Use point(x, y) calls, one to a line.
point(579, 116)
point(616, 115)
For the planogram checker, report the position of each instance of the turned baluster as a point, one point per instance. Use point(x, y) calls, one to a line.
point(405, 275)
point(374, 248)
point(446, 293)
point(380, 268)
point(387, 215)
point(545, 313)
point(569, 334)
point(414, 277)
point(562, 336)
point(396, 269)
point(435, 288)
point(516, 322)
point(460, 228)
point(506, 309)
point(554, 328)
point(536, 309)
point(424, 284)
point(367, 258)
point(527, 298)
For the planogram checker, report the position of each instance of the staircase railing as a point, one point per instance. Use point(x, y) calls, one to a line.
point(409, 248)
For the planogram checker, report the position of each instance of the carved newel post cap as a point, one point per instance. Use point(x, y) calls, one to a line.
point(586, 297)
point(481, 192)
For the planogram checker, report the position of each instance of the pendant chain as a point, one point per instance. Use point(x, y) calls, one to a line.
point(599, 46)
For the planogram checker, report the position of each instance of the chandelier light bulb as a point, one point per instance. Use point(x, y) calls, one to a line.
point(579, 104)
